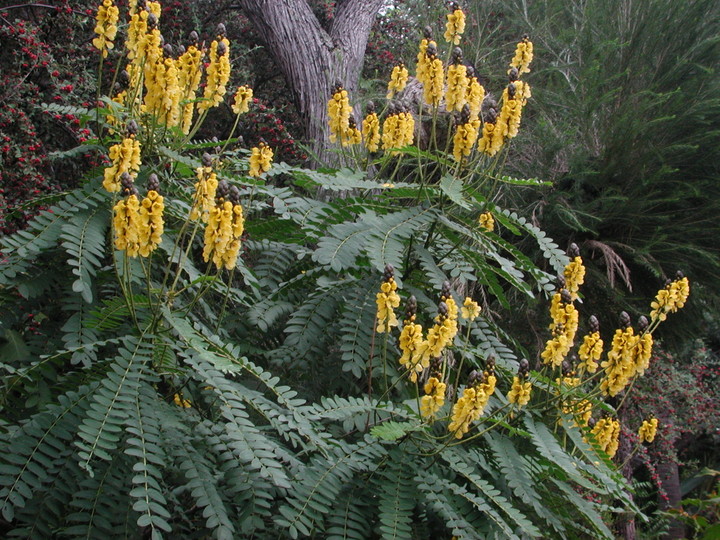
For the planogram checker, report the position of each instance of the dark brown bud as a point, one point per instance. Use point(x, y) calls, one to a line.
point(132, 127)
point(389, 272)
point(566, 368)
point(431, 51)
point(442, 309)
point(428, 32)
point(223, 191)
point(152, 21)
point(511, 90)
point(513, 74)
point(445, 291)
point(153, 183)
point(194, 38)
point(207, 160)
point(124, 77)
point(594, 324)
point(642, 323)
point(127, 184)
point(624, 319)
point(457, 55)
point(573, 250)
point(220, 30)
point(465, 114)
point(560, 281)
point(222, 48)
point(591, 423)
point(181, 50)
point(565, 296)
point(410, 308)
point(168, 50)
point(679, 274)
point(490, 365)
point(370, 107)
point(470, 71)
point(234, 195)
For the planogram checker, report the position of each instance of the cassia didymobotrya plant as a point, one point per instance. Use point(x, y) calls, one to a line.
point(189, 277)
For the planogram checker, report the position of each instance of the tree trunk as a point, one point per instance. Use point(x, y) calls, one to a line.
point(670, 481)
point(313, 59)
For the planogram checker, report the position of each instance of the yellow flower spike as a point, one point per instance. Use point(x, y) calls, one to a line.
point(470, 310)
point(492, 139)
point(224, 228)
point(670, 299)
point(574, 275)
point(125, 158)
point(471, 405)
point(371, 129)
point(241, 102)
point(387, 300)
point(475, 96)
point(523, 56)
point(260, 159)
point(352, 135)
point(398, 80)
point(455, 26)
point(486, 222)
point(520, 392)
point(106, 27)
point(205, 189)
point(465, 137)
point(648, 430)
point(339, 111)
point(218, 74)
point(434, 397)
point(434, 80)
point(127, 225)
point(189, 66)
point(422, 60)
point(457, 83)
point(151, 218)
point(511, 112)
point(398, 129)
point(607, 434)
point(590, 352)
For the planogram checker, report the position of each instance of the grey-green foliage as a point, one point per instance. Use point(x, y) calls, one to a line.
point(256, 406)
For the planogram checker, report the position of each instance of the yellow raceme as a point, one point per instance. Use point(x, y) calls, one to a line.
point(106, 27)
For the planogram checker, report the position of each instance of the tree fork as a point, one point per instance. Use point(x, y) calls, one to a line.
point(312, 58)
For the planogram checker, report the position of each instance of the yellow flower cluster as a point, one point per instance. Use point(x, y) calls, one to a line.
point(387, 300)
point(224, 228)
point(455, 26)
point(411, 345)
point(218, 74)
point(607, 434)
point(648, 430)
point(339, 111)
point(433, 80)
point(471, 405)
point(574, 275)
point(139, 226)
point(189, 73)
point(590, 352)
point(670, 299)
point(457, 87)
point(241, 102)
point(475, 96)
point(442, 333)
point(465, 138)
point(371, 131)
point(563, 327)
point(470, 310)
point(398, 130)
point(629, 356)
point(125, 158)
point(421, 66)
point(523, 56)
point(260, 159)
point(352, 135)
point(491, 140)
point(434, 397)
point(106, 27)
point(487, 221)
point(519, 392)
point(180, 402)
point(205, 189)
point(398, 80)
